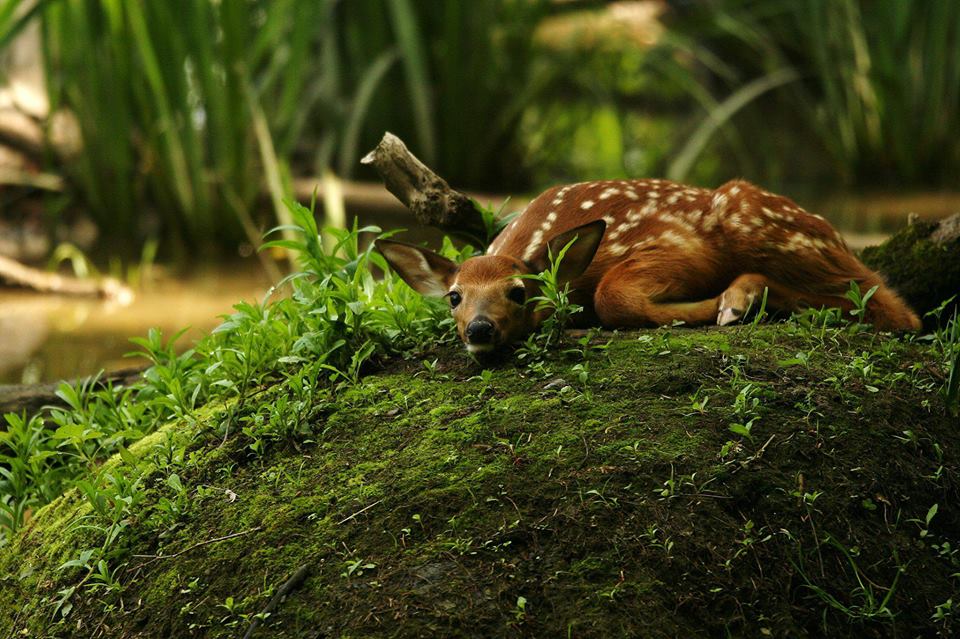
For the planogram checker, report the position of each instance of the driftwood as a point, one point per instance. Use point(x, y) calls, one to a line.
point(426, 194)
point(17, 274)
point(33, 397)
point(372, 197)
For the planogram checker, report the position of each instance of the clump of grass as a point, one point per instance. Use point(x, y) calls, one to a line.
point(554, 298)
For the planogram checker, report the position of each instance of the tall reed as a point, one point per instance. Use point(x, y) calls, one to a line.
point(160, 93)
point(877, 82)
point(192, 112)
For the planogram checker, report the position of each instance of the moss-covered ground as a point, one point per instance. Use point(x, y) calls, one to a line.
point(761, 481)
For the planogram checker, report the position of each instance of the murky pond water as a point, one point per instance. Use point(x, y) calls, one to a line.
point(47, 338)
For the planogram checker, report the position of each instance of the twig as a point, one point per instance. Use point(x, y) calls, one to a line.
point(426, 194)
point(17, 274)
point(289, 586)
point(359, 512)
point(154, 558)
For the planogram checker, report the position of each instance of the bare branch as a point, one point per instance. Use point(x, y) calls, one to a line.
point(426, 194)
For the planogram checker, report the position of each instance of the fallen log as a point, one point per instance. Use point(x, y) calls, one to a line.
point(31, 398)
point(17, 274)
point(922, 263)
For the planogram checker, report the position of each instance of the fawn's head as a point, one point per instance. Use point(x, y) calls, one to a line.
point(487, 295)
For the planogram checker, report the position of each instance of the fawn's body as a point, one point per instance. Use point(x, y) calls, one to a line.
point(658, 251)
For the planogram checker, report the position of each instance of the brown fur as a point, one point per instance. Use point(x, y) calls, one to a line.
point(702, 242)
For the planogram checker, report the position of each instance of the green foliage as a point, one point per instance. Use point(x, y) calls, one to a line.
point(859, 299)
point(183, 123)
point(947, 341)
point(847, 67)
point(554, 298)
point(165, 110)
point(12, 24)
point(338, 320)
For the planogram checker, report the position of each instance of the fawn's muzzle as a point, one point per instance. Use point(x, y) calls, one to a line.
point(480, 331)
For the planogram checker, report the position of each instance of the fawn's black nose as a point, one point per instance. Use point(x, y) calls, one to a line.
point(480, 331)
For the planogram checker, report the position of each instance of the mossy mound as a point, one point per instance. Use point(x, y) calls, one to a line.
point(922, 262)
point(605, 499)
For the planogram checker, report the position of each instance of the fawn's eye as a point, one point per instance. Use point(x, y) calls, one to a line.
point(518, 295)
point(455, 299)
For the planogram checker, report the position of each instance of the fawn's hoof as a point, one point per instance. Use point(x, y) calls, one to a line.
point(729, 315)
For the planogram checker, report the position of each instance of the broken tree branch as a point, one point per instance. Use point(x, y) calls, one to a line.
point(32, 398)
point(17, 274)
point(288, 587)
point(426, 194)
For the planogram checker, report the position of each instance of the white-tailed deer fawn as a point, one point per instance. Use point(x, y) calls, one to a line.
point(650, 252)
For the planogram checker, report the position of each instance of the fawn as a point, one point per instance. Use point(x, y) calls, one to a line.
point(646, 253)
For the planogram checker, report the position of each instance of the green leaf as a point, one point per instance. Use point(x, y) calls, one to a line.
point(68, 431)
point(932, 513)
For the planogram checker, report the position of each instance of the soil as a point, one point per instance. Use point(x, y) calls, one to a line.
point(606, 500)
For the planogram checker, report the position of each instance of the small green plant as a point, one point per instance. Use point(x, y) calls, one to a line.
point(520, 609)
point(762, 311)
point(356, 568)
point(863, 602)
point(746, 407)
point(553, 298)
point(486, 380)
point(950, 345)
point(859, 300)
point(943, 612)
point(493, 221)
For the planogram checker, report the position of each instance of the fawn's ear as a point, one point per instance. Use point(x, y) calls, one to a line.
point(425, 271)
point(586, 240)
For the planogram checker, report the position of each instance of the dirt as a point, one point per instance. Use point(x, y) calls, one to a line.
point(434, 502)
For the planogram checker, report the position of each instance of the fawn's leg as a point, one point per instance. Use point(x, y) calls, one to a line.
point(747, 290)
point(638, 294)
point(885, 309)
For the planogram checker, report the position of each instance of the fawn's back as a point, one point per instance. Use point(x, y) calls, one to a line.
point(719, 234)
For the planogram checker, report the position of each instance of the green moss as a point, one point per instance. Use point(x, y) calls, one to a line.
point(429, 505)
point(923, 272)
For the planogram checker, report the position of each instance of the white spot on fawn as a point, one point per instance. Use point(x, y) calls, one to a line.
point(617, 249)
point(534, 244)
point(797, 242)
point(710, 221)
point(586, 204)
point(632, 194)
point(547, 223)
point(607, 193)
point(623, 228)
point(719, 201)
point(674, 238)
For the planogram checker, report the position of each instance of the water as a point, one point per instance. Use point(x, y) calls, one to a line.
point(47, 338)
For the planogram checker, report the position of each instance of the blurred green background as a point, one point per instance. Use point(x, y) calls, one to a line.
point(155, 140)
point(186, 120)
